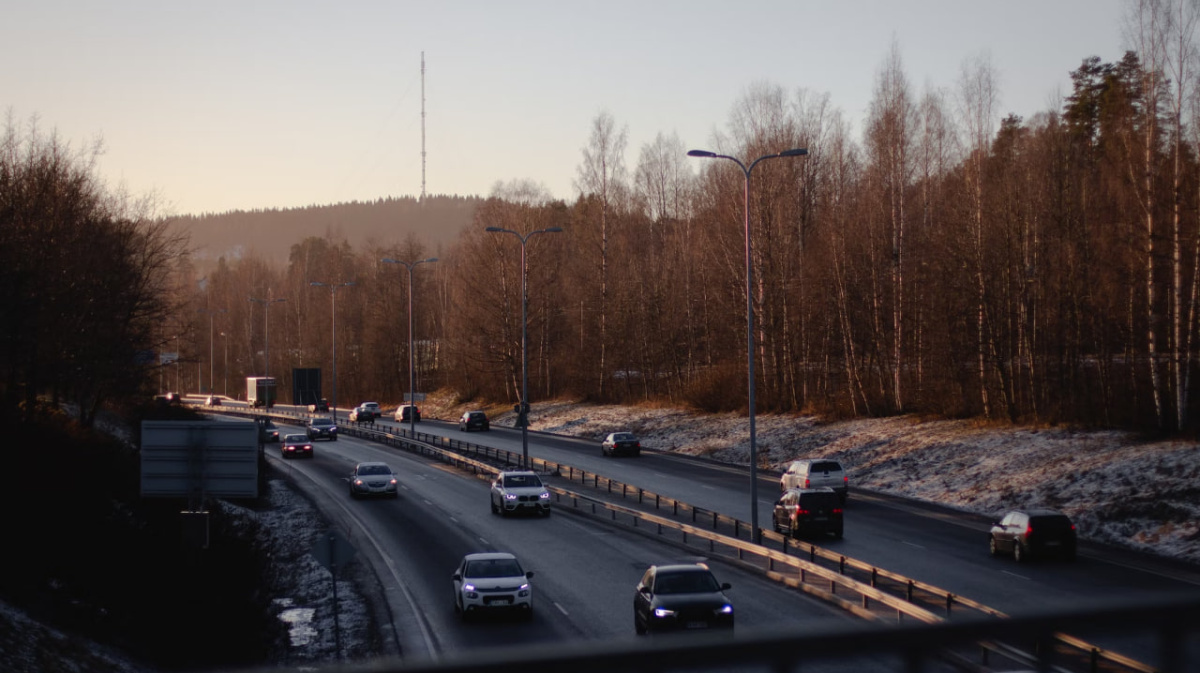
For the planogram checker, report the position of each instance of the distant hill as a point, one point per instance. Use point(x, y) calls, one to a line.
point(436, 222)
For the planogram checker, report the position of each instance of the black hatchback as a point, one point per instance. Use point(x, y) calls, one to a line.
point(801, 512)
point(1027, 533)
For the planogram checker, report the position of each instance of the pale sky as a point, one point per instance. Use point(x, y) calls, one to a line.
point(217, 106)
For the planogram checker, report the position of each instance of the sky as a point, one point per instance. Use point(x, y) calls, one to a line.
point(217, 106)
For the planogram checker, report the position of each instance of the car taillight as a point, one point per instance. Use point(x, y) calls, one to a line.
point(807, 482)
point(1029, 530)
point(798, 511)
point(837, 510)
point(845, 480)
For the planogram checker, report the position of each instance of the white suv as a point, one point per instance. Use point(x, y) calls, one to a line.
point(515, 492)
point(815, 473)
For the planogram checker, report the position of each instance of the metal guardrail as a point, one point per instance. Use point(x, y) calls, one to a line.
point(808, 576)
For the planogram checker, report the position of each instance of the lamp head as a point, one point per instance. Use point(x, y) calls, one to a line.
point(701, 153)
point(554, 230)
point(798, 152)
point(389, 260)
point(493, 229)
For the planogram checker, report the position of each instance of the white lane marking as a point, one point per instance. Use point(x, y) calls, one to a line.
point(911, 544)
point(453, 520)
point(561, 609)
point(484, 541)
point(1014, 575)
point(427, 502)
point(660, 475)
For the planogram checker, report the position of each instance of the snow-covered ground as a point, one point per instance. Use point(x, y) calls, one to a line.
point(1117, 488)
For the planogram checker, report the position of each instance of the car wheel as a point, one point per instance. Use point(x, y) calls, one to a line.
point(992, 549)
point(547, 512)
point(638, 627)
point(839, 532)
point(529, 613)
point(333, 438)
point(1019, 553)
point(395, 495)
point(495, 509)
point(637, 453)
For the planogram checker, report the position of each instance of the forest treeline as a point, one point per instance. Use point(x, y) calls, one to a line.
point(944, 260)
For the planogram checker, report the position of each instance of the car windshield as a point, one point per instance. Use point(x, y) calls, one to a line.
point(476, 415)
point(322, 421)
point(690, 582)
point(521, 481)
point(295, 439)
point(374, 469)
point(499, 567)
point(826, 466)
point(622, 437)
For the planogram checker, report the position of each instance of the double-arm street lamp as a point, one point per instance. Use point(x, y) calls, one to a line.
point(523, 409)
point(412, 412)
point(266, 329)
point(333, 288)
point(750, 316)
point(212, 382)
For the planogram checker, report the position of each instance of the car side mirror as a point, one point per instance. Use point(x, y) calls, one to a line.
point(726, 586)
point(645, 590)
point(529, 575)
point(457, 577)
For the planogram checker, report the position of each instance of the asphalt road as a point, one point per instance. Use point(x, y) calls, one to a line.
point(443, 514)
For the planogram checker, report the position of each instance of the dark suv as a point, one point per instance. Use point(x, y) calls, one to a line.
point(807, 511)
point(1026, 533)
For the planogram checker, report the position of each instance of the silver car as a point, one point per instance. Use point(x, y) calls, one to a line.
point(492, 581)
point(815, 473)
point(520, 492)
point(372, 479)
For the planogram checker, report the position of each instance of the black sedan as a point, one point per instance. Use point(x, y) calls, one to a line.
point(680, 597)
point(322, 428)
point(1034, 532)
point(621, 444)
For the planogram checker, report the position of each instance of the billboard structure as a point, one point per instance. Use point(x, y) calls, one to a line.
point(198, 459)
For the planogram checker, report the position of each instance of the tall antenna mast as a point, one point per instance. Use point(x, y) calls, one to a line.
point(422, 127)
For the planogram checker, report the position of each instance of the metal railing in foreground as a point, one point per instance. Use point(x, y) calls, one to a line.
point(866, 647)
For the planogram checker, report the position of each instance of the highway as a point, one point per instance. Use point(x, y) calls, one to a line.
point(584, 572)
point(443, 514)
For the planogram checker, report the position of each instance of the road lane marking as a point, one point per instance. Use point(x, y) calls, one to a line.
point(911, 544)
point(561, 609)
point(1014, 574)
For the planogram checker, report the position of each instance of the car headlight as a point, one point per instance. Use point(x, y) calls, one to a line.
point(545, 495)
point(663, 612)
point(358, 482)
point(726, 609)
point(393, 482)
point(510, 496)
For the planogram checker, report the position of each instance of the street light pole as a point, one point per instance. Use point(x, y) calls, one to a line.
point(225, 342)
point(412, 411)
point(212, 382)
point(267, 329)
point(523, 413)
point(750, 317)
point(333, 288)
